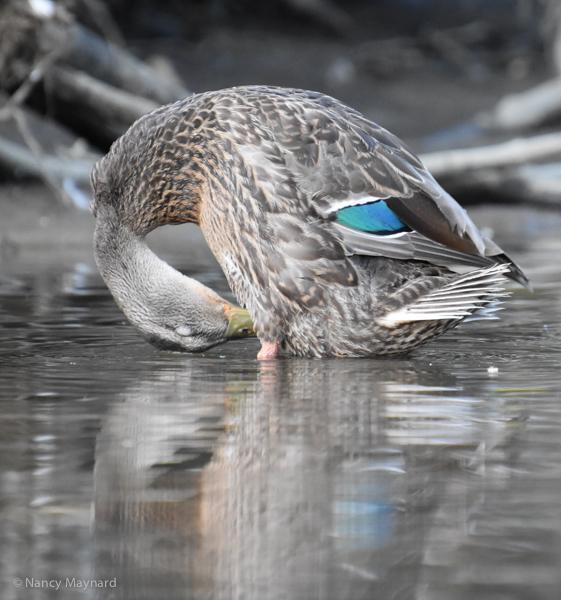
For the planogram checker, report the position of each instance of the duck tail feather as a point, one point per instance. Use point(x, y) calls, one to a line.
point(478, 292)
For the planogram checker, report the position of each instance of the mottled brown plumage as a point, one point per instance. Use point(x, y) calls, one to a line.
point(267, 174)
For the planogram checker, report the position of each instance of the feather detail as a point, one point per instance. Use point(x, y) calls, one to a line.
point(323, 222)
point(376, 217)
point(459, 299)
point(406, 246)
point(411, 245)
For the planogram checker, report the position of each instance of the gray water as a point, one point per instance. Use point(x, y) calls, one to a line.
point(431, 477)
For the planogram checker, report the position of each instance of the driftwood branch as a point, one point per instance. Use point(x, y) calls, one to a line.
point(532, 108)
point(89, 79)
point(535, 184)
point(514, 152)
point(81, 49)
point(21, 160)
point(503, 171)
point(110, 109)
point(95, 86)
point(31, 145)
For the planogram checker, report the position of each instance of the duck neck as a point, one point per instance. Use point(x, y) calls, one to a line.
point(150, 292)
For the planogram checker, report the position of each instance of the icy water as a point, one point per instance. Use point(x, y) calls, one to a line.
point(154, 475)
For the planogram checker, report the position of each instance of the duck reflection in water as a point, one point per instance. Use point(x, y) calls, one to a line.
point(295, 479)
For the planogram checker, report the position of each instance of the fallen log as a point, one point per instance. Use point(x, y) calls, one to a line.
point(101, 105)
point(532, 108)
point(35, 146)
point(514, 152)
point(80, 49)
point(91, 85)
point(28, 35)
point(502, 171)
point(22, 161)
point(527, 184)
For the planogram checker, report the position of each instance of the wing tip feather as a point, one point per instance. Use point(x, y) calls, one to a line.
point(475, 293)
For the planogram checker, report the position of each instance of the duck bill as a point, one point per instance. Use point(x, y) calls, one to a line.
point(240, 324)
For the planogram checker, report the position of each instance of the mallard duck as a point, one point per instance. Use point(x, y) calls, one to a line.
point(333, 236)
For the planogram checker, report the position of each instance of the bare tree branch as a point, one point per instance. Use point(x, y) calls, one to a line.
point(514, 152)
point(111, 107)
point(531, 108)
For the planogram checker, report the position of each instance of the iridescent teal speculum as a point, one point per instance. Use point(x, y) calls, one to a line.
point(376, 217)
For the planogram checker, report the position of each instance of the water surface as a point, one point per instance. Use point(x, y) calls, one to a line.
point(431, 477)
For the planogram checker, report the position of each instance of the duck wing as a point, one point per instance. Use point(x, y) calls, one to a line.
point(378, 196)
point(475, 295)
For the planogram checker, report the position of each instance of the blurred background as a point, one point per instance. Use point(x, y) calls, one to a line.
point(429, 477)
point(74, 74)
point(442, 74)
point(462, 75)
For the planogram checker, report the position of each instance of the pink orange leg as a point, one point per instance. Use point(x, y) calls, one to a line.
point(268, 350)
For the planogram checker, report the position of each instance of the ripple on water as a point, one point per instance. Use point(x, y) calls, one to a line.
point(214, 476)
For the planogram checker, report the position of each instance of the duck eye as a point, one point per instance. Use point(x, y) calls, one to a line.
point(184, 331)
